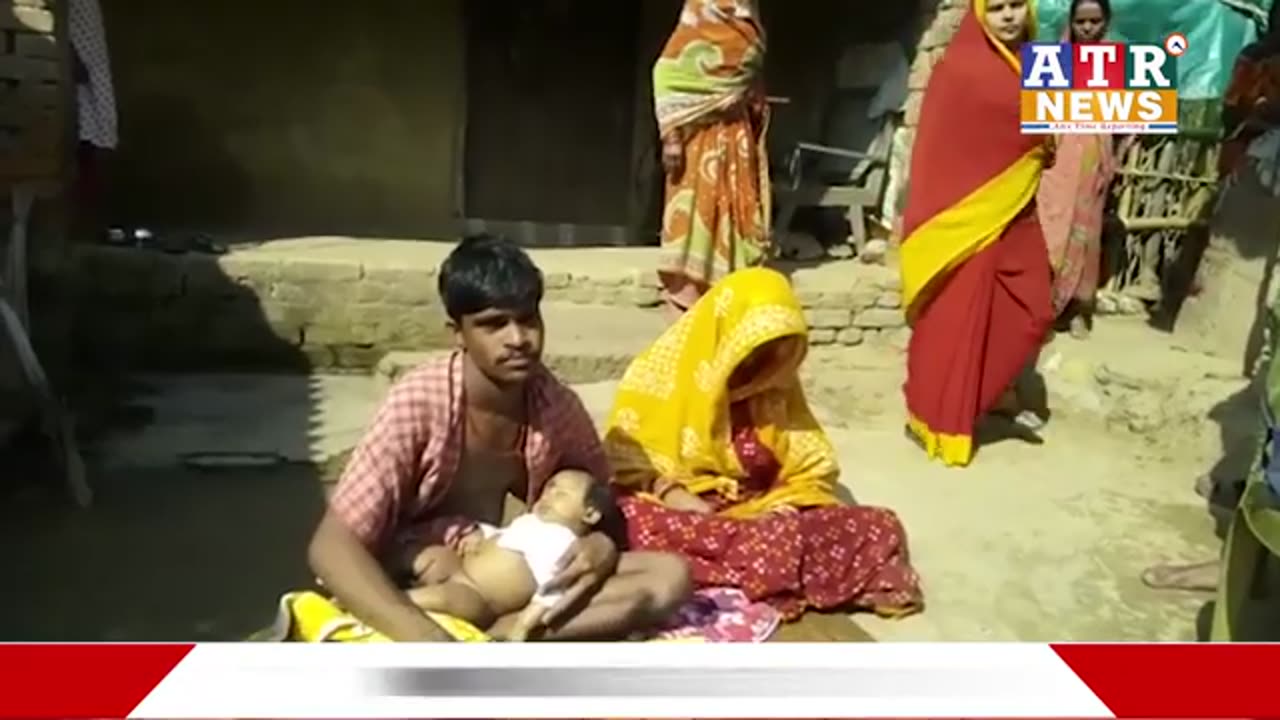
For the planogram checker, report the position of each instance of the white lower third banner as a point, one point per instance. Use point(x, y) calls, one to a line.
point(636, 680)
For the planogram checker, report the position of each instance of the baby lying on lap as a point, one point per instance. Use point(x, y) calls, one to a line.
point(505, 570)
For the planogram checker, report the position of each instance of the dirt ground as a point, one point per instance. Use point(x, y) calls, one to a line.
point(1030, 543)
point(1045, 542)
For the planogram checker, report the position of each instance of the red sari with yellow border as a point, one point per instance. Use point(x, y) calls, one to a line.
point(975, 270)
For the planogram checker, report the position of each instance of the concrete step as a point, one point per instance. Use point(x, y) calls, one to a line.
point(585, 343)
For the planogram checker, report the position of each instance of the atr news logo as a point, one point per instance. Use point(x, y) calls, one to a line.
point(1101, 87)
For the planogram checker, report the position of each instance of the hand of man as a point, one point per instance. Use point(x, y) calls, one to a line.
point(583, 569)
point(468, 544)
point(434, 565)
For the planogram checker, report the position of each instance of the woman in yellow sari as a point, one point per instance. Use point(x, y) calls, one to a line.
point(720, 459)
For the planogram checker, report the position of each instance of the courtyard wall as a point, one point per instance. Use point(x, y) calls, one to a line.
point(337, 303)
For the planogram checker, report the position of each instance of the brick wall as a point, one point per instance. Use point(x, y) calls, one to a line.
point(31, 96)
point(247, 308)
point(940, 19)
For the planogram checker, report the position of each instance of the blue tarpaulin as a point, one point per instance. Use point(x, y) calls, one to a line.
point(1216, 30)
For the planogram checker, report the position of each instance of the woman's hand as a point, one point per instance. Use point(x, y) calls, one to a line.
point(673, 155)
point(1050, 151)
point(678, 498)
point(1263, 116)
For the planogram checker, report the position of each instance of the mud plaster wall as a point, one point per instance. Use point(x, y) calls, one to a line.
point(939, 21)
point(594, 158)
point(286, 115)
point(806, 40)
point(304, 118)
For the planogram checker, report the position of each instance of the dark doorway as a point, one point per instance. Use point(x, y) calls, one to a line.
point(551, 90)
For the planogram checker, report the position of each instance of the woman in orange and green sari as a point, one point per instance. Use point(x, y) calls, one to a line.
point(975, 270)
point(711, 111)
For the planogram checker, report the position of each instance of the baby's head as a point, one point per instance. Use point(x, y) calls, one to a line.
point(575, 499)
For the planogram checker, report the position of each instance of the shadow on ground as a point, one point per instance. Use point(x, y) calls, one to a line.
point(163, 555)
point(1244, 224)
point(170, 549)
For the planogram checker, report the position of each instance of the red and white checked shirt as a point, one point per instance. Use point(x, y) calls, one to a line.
point(408, 457)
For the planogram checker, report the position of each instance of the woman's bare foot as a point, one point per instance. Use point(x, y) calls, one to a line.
point(1198, 577)
point(1205, 485)
point(1079, 327)
point(1223, 495)
point(672, 310)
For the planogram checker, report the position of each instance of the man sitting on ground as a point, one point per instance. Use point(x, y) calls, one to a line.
point(452, 438)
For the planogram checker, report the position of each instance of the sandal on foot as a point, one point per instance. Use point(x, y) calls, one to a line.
point(202, 243)
point(1079, 328)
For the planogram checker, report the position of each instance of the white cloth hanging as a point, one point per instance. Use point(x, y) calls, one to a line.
point(95, 97)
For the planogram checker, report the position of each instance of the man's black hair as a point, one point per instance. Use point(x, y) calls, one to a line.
point(612, 522)
point(487, 271)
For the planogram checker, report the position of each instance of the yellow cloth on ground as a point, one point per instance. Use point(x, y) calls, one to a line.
point(311, 617)
point(308, 616)
point(670, 419)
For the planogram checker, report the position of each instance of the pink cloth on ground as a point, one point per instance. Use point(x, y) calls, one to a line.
point(722, 615)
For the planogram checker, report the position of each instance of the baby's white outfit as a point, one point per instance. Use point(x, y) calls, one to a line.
point(541, 543)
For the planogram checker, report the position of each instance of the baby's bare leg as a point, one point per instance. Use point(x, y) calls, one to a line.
point(456, 599)
point(528, 621)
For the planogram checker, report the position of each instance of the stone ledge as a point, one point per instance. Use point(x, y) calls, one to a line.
point(587, 365)
point(330, 302)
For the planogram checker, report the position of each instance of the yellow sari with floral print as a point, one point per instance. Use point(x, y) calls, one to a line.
point(670, 422)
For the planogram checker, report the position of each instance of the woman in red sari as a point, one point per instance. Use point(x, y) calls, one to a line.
point(722, 462)
point(975, 270)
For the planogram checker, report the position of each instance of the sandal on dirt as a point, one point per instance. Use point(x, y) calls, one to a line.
point(202, 243)
point(215, 460)
point(182, 244)
point(1015, 427)
point(1025, 419)
point(139, 238)
point(1196, 577)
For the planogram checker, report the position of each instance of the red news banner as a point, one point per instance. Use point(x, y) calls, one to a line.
point(1202, 681)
